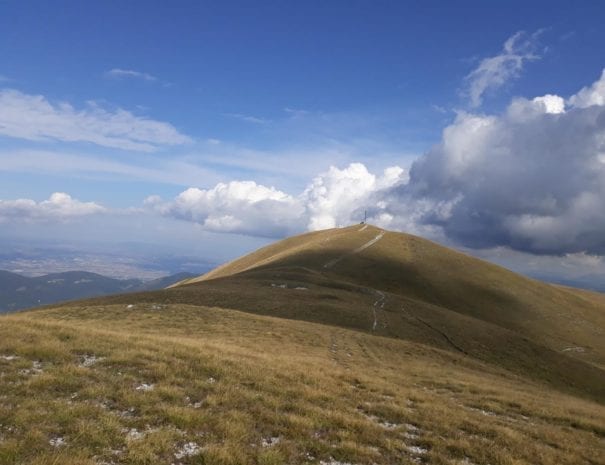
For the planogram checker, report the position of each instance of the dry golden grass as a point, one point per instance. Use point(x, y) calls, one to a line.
point(317, 350)
point(405, 287)
point(236, 388)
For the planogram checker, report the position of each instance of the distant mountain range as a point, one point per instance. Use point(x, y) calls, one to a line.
point(19, 292)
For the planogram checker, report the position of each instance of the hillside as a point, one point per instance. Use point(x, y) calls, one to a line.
point(19, 292)
point(402, 286)
point(346, 346)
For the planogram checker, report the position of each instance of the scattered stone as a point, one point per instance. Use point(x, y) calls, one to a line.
point(129, 306)
point(89, 360)
point(465, 461)
point(144, 387)
point(187, 450)
point(211, 380)
point(331, 461)
point(57, 441)
point(384, 423)
point(270, 442)
point(411, 428)
point(417, 450)
point(134, 434)
point(9, 358)
point(34, 370)
point(487, 413)
point(574, 349)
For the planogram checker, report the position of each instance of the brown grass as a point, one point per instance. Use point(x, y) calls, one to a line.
point(244, 388)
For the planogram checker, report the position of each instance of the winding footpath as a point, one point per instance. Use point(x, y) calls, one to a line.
point(361, 248)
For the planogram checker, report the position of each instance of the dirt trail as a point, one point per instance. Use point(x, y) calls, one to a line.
point(433, 328)
point(378, 305)
point(361, 248)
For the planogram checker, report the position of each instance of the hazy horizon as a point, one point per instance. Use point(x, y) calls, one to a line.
point(179, 135)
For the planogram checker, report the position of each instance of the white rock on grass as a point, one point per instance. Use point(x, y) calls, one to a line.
point(417, 450)
point(134, 434)
point(9, 358)
point(57, 441)
point(34, 370)
point(188, 449)
point(333, 462)
point(270, 442)
point(144, 387)
point(89, 360)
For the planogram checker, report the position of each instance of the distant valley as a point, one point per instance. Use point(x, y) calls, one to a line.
point(19, 292)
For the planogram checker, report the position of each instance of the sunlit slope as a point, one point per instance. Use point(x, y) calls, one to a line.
point(420, 270)
point(404, 287)
point(157, 383)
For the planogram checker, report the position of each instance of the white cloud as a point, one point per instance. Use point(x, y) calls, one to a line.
point(591, 95)
point(334, 198)
point(248, 118)
point(551, 103)
point(339, 197)
point(33, 117)
point(138, 167)
point(239, 206)
point(118, 73)
point(59, 206)
point(494, 72)
point(532, 178)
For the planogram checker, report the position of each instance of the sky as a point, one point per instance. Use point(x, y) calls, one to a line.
point(212, 128)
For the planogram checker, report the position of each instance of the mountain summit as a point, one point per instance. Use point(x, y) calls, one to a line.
point(399, 285)
point(350, 345)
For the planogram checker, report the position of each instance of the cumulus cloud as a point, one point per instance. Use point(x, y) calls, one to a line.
point(591, 95)
point(59, 206)
point(494, 72)
point(243, 207)
point(33, 117)
point(334, 198)
point(118, 73)
point(339, 197)
point(532, 178)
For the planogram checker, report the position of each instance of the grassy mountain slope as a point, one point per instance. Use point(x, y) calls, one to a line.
point(152, 383)
point(347, 346)
point(402, 286)
point(418, 269)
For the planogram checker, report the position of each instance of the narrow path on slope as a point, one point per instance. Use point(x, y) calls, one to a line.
point(370, 243)
point(438, 331)
point(378, 304)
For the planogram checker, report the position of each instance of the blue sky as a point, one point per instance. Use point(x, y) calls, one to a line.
point(202, 119)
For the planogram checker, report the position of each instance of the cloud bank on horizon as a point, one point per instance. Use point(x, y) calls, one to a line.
point(530, 178)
